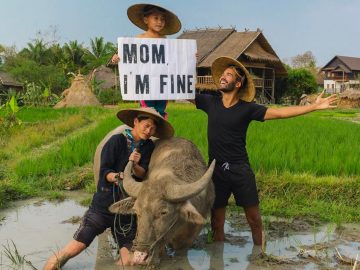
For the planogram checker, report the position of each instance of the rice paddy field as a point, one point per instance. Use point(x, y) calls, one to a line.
point(306, 167)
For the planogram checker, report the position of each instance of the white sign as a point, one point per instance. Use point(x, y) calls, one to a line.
point(157, 68)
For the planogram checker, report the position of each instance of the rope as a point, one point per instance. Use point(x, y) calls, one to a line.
point(151, 247)
point(125, 229)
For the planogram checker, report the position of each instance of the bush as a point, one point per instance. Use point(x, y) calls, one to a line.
point(300, 81)
point(8, 118)
point(30, 71)
point(35, 95)
point(109, 96)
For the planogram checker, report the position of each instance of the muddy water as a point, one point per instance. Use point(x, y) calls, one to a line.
point(39, 228)
point(297, 250)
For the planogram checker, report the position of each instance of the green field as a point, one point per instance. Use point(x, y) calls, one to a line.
point(306, 166)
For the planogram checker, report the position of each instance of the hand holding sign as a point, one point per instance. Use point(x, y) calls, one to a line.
point(115, 59)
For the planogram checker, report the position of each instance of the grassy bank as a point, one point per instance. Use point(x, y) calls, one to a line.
point(306, 166)
point(326, 198)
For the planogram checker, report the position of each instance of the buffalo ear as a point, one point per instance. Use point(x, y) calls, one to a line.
point(124, 206)
point(189, 213)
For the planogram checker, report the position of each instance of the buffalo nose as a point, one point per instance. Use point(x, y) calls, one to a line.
point(139, 257)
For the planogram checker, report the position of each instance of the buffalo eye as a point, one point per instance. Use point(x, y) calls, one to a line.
point(163, 212)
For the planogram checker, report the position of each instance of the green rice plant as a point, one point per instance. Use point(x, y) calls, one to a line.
point(45, 114)
point(17, 261)
point(347, 113)
point(41, 134)
point(76, 178)
point(54, 195)
point(74, 152)
point(14, 190)
point(86, 202)
point(326, 198)
point(90, 187)
point(305, 166)
point(305, 144)
point(190, 124)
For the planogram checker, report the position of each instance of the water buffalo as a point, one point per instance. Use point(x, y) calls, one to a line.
point(173, 201)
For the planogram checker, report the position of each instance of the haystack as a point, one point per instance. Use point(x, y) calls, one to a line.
point(350, 99)
point(79, 94)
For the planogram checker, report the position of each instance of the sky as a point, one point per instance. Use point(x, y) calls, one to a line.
point(324, 27)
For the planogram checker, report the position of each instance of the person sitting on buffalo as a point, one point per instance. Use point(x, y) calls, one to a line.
point(131, 145)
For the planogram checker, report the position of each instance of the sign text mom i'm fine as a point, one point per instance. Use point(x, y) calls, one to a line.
point(157, 69)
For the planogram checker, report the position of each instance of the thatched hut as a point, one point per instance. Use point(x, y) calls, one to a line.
point(8, 83)
point(250, 47)
point(350, 99)
point(79, 94)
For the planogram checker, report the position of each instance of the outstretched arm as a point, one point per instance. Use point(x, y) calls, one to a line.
point(320, 104)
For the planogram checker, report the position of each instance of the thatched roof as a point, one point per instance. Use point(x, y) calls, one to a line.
point(351, 94)
point(255, 52)
point(207, 39)
point(7, 80)
point(105, 76)
point(232, 47)
point(249, 45)
point(348, 63)
point(79, 94)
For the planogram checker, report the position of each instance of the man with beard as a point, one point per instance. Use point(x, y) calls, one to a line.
point(229, 116)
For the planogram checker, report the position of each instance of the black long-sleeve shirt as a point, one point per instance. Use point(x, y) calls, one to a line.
point(114, 157)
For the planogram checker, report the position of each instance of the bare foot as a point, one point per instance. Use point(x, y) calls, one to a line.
point(125, 257)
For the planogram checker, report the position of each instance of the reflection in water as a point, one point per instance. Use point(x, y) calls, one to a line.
point(220, 255)
point(37, 230)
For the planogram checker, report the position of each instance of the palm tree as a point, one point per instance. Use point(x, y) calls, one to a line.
point(99, 48)
point(99, 53)
point(74, 53)
point(56, 54)
point(36, 51)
